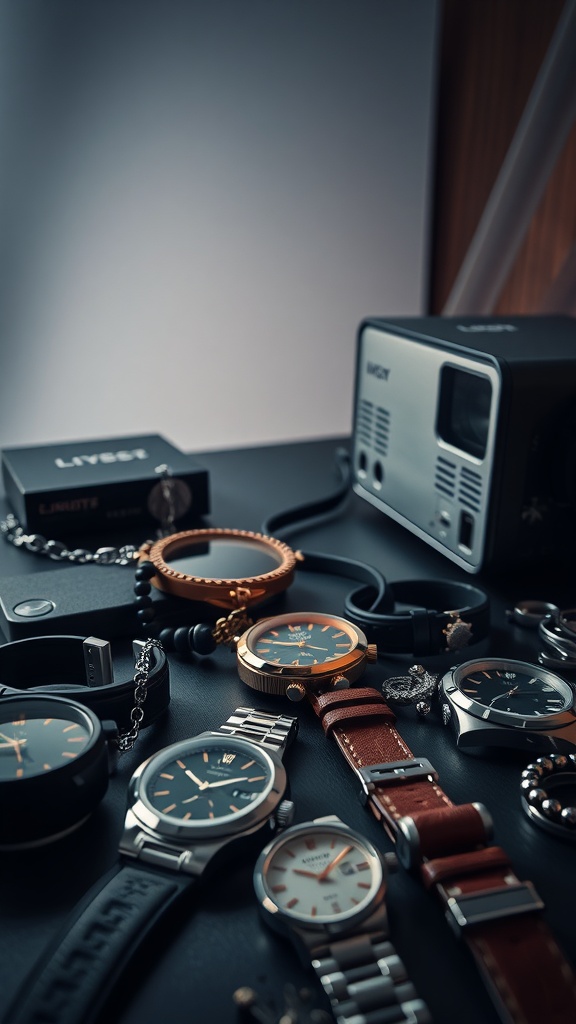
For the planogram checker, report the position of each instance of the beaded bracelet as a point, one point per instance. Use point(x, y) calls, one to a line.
point(543, 809)
point(200, 638)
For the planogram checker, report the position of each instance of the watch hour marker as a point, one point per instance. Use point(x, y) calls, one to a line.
point(279, 888)
point(311, 844)
point(181, 764)
point(234, 808)
point(162, 792)
point(73, 725)
point(291, 903)
point(69, 753)
point(256, 778)
point(363, 885)
point(205, 756)
point(170, 807)
point(248, 764)
point(165, 775)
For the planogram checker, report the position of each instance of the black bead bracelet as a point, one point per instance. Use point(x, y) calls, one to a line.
point(196, 639)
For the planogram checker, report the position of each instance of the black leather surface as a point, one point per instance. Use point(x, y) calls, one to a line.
point(219, 943)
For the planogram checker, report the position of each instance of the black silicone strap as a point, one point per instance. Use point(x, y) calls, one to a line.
point(433, 607)
point(74, 980)
point(376, 595)
point(315, 511)
point(55, 664)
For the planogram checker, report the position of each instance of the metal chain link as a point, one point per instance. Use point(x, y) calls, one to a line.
point(58, 552)
point(126, 740)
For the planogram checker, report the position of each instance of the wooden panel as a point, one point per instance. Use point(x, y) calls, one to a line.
point(491, 52)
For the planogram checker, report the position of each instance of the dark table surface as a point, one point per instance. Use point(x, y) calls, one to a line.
point(220, 943)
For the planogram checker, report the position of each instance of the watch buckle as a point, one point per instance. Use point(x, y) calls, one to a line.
point(391, 772)
point(491, 905)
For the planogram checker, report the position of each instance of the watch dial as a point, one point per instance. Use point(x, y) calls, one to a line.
point(516, 689)
point(208, 781)
point(321, 874)
point(303, 640)
point(37, 736)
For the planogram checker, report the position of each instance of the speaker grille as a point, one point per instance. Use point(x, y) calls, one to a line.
point(470, 489)
point(373, 426)
point(445, 477)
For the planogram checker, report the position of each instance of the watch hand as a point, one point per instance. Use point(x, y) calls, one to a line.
point(307, 874)
point(286, 643)
point(313, 648)
point(343, 853)
point(14, 743)
point(223, 782)
point(199, 783)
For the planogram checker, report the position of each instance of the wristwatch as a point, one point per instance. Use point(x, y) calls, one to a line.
point(301, 651)
point(82, 669)
point(192, 807)
point(226, 568)
point(449, 848)
point(323, 886)
point(55, 760)
point(496, 702)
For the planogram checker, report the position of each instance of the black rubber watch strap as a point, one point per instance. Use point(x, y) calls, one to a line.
point(72, 983)
point(423, 626)
point(55, 664)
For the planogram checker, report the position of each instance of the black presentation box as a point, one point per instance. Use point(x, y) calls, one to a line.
point(101, 484)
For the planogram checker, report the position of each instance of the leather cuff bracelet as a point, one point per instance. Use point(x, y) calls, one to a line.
point(444, 616)
point(81, 669)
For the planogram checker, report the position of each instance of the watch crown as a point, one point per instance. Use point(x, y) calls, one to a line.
point(284, 815)
point(371, 652)
point(340, 683)
point(295, 691)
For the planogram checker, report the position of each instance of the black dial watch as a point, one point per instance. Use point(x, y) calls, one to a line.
point(323, 886)
point(190, 807)
point(301, 651)
point(55, 760)
point(495, 702)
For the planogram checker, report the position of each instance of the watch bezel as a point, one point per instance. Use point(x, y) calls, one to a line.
point(450, 685)
point(338, 923)
point(268, 676)
point(41, 808)
point(222, 592)
point(164, 826)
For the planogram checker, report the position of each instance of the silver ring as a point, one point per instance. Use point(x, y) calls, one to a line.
point(529, 614)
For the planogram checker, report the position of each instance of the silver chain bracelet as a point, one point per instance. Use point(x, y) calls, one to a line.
point(126, 740)
point(165, 509)
point(58, 552)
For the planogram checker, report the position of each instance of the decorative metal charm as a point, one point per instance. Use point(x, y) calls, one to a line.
point(418, 687)
point(230, 627)
point(458, 633)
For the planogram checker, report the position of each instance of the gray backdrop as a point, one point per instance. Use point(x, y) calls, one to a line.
point(199, 201)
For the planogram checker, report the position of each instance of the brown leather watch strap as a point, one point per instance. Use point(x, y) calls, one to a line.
point(448, 845)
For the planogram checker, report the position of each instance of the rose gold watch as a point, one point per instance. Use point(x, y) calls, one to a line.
point(301, 651)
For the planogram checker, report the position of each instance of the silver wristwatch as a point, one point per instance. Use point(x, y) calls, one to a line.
point(323, 886)
point(189, 805)
point(505, 703)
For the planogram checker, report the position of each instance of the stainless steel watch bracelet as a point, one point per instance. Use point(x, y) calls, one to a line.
point(277, 732)
point(366, 980)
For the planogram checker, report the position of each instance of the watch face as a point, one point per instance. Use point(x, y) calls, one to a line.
point(209, 781)
point(302, 640)
point(318, 874)
point(512, 688)
point(39, 735)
